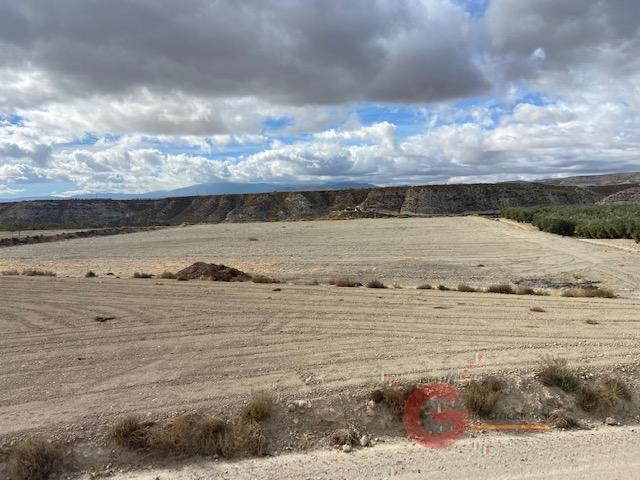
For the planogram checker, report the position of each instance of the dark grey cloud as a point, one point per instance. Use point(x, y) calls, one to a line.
point(286, 51)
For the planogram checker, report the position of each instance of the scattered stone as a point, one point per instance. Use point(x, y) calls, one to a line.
point(365, 441)
point(611, 421)
point(346, 448)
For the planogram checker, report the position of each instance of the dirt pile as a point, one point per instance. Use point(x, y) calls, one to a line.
point(213, 272)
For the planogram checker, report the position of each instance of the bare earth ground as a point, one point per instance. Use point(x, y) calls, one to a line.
point(408, 251)
point(204, 346)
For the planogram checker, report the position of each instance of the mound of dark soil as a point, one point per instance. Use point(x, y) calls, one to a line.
point(211, 271)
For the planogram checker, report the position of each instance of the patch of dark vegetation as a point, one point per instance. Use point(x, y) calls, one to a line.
point(252, 239)
point(10, 272)
point(343, 436)
point(130, 432)
point(90, 274)
point(424, 286)
point(503, 288)
point(593, 292)
point(525, 290)
point(345, 282)
point(142, 275)
point(443, 288)
point(393, 397)
point(466, 288)
point(593, 221)
point(264, 279)
point(617, 388)
point(36, 459)
point(564, 419)
point(259, 407)
point(481, 397)
point(555, 372)
point(537, 309)
point(591, 322)
point(102, 232)
point(34, 272)
point(375, 284)
point(213, 272)
point(167, 275)
point(103, 318)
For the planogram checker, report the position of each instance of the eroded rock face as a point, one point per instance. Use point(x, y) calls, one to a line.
point(420, 200)
point(627, 196)
point(212, 271)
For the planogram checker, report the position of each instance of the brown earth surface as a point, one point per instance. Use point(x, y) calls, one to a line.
point(207, 346)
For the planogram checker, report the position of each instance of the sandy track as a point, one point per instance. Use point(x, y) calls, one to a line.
point(198, 345)
point(409, 251)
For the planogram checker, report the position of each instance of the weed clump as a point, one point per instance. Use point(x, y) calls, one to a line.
point(129, 432)
point(482, 396)
point(36, 459)
point(34, 272)
point(424, 286)
point(563, 419)
point(142, 275)
point(345, 282)
point(258, 408)
point(375, 284)
point(167, 275)
point(264, 279)
point(537, 309)
point(524, 290)
point(594, 292)
point(555, 372)
point(466, 288)
point(503, 288)
point(90, 274)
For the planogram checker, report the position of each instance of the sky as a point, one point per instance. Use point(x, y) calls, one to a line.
point(134, 96)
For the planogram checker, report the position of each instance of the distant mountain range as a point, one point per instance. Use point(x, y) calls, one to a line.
point(218, 188)
point(630, 178)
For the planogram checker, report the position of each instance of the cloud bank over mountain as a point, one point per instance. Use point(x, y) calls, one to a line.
point(138, 95)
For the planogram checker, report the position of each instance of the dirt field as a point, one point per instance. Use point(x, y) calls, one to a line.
point(204, 346)
point(407, 251)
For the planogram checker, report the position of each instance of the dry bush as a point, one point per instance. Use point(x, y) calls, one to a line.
point(129, 432)
point(537, 309)
point(343, 436)
point(594, 292)
point(264, 279)
point(555, 372)
point(345, 282)
point(424, 286)
point(33, 272)
point(142, 275)
point(504, 288)
point(443, 288)
point(168, 275)
point(393, 397)
point(591, 398)
point(482, 396)
point(375, 284)
point(36, 459)
point(10, 272)
point(252, 239)
point(190, 435)
point(259, 407)
point(524, 290)
point(377, 395)
point(591, 322)
point(247, 437)
point(90, 274)
point(466, 288)
point(617, 388)
point(563, 419)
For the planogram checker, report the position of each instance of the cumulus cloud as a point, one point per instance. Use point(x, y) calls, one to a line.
point(137, 95)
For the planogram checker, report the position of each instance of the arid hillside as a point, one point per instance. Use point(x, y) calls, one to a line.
point(417, 200)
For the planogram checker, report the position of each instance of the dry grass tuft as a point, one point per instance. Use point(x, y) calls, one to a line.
point(555, 372)
point(394, 398)
point(424, 286)
point(190, 435)
point(443, 288)
point(482, 396)
point(142, 275)
point(466, 288)
point(375, 284)
point(247, 437)
point(504, 288)
point(36, 459)
point(90, 274)
point(524, 290)
point(595, 292)
point(129, 432)
point(343, 436)
point(252, 239)
point(34, 272)
point(345, 282)
point(10, 272)
point(591, 322)
point(617, 388)
point(259, 407)
point(563, 419)
point(537, 309)
point(167, 275)
point(264, 279)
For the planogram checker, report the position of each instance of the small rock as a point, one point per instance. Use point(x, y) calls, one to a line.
point(371, 412)
point(365, 441)
point(291, 407)
point(346, 448)
point(611, 421)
